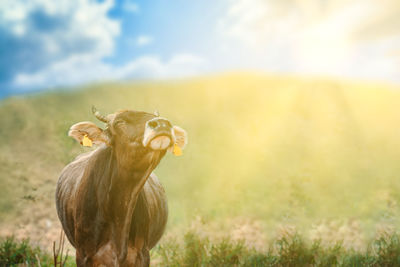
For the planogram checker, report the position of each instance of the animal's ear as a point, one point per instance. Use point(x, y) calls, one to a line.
point(87, 132)
point(180, 137)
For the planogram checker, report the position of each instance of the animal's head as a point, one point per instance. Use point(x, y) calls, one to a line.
point(133, 135)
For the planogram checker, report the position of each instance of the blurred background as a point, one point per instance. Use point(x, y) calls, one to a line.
point(291, 107)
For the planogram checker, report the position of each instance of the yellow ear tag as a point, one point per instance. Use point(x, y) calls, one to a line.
point(86, 141)
point(177, 150)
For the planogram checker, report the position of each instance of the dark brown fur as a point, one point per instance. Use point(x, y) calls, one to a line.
point(112, 207)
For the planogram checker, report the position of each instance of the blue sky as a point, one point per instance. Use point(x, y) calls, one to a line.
point(47, 44)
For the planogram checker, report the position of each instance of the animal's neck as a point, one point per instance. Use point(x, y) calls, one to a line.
point(124, 191)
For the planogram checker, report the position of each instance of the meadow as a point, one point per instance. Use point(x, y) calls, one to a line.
point(270, 158)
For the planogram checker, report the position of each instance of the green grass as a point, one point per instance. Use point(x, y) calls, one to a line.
point(286, 251)
point(196, 251)
point(319, 155)
point(14, 252)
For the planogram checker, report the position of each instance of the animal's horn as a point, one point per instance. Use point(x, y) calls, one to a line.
point(99, 116)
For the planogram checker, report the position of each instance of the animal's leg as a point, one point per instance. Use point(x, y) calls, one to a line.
point(132, 256)
point(105, 256)
point(80, 261)
point(139, 234)
point(137, 258)
point(138, 255)
point(145, 257)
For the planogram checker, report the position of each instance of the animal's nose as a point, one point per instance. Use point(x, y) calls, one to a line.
point(159, 124)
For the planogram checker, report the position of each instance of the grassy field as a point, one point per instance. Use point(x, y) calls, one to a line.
point(266, 155)
point(196, 250)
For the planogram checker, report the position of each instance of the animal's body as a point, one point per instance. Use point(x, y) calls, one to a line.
point(112, 207)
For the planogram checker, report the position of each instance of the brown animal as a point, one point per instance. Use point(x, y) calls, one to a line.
point(111, 205)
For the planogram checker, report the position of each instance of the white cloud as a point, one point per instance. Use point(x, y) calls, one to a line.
point(76, 70)
point(41, 34)
point(178, 66)
point(144, 40)
point(64, 43)
point(71, 71)
point(334, 37)
point(130, 6)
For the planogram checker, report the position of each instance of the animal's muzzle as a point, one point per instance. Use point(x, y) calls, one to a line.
point(158, 134)
point(159, 124)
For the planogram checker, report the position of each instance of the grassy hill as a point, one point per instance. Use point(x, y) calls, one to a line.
point(266, 152)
